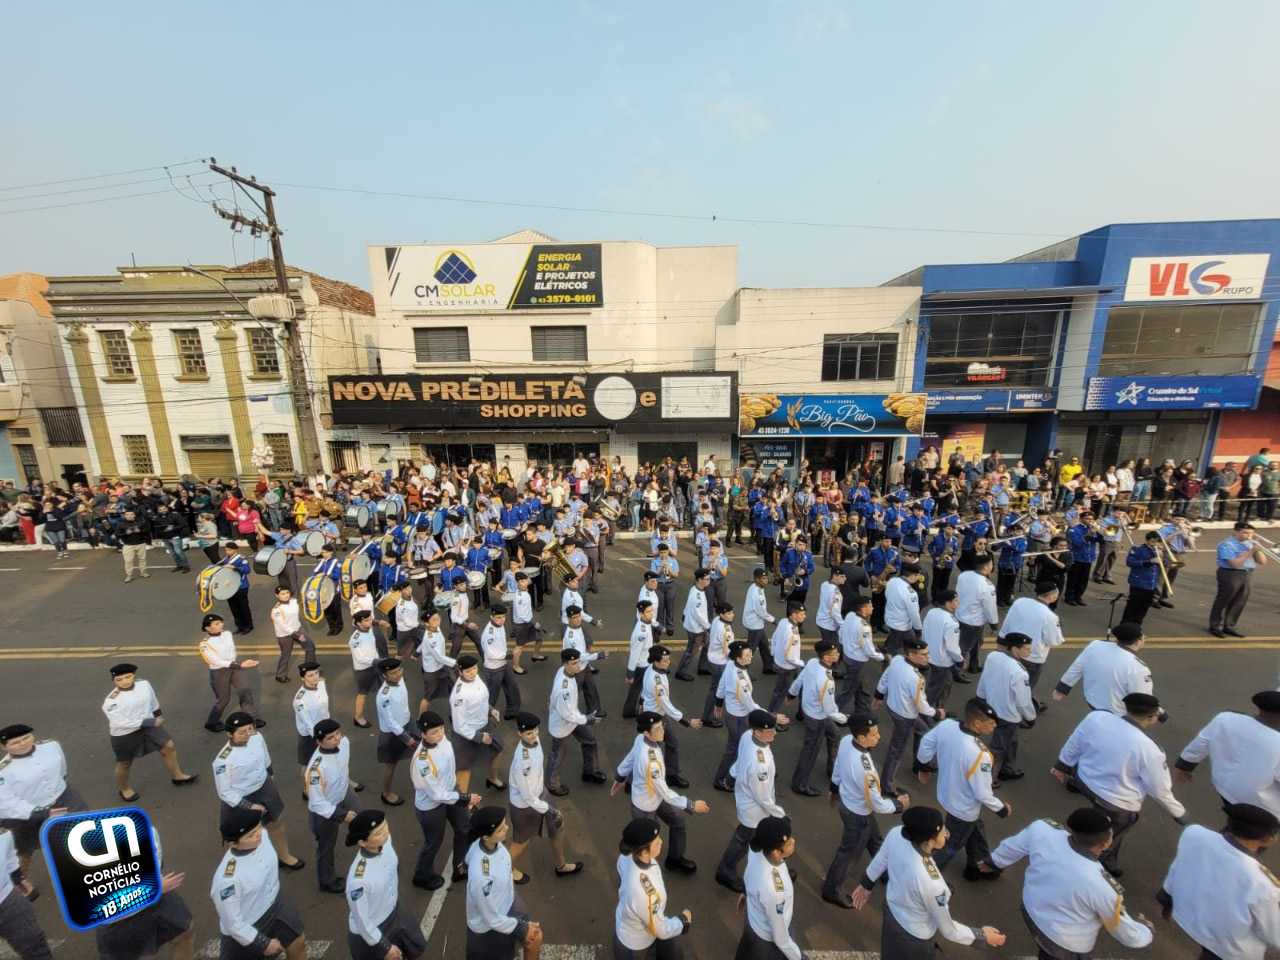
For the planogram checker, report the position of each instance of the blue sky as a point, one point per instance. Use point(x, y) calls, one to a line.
point(999, 125)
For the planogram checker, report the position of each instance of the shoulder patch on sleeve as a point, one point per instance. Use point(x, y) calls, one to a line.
point(226, 893)
point(1057, 826)
point(226, 752)
point(230, 871)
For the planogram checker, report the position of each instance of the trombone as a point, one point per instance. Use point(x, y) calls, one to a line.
point(1269, 547)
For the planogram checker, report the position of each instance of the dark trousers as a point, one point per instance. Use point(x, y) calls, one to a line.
point(1004, 745)
point(590, 692)
point(286, 651)
point(768, 546)
point(671, 749)
point(1232, 595)
point(289, 576)
point(739, 841)
point(1139, 602)
point(758, 641)
point(852, 689)
point(631, 705)
point(432, 824)
point(717, 669)
point(734, 728)
point(1006, 581)
point(877, 610)
point(860, 832)
point(971, 641)
point(503, 679)
point(407, 641)
point(814, 732)
point(940, 583)
point(780, 687)
point(333, 614)
point(696, 644)
point(665, 617)
point(586, 738)
point(240, 611)
point(223, 681)
point(326, 833)
point(21, 930)
point(675, 819)
point(1122, 821)
point(1077, 580)
point(937, 689)
point(1106, 560)
point(893, 643)
point(969, 836)
point(1172, 575)
point(903, 728)
point(458, 631)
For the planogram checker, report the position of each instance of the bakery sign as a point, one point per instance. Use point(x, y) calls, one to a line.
point(830, 415)
point(553, 400)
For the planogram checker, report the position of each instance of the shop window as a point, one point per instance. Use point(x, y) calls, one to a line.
point(344, 454)
point(441, 345)
point(560, 456)
point(459, 454)
point(559, 344)
point(115, 347)
point(995, 347)
point(1205, 339)
point(859, 356)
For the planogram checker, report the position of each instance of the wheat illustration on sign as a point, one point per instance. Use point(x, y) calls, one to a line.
point(753, 407)
point(792, 410)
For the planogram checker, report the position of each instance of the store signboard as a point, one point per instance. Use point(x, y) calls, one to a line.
point(558, 400)
point(991, 401)
point(831, 415)
point(493, 276)
point(769, 454)
point(1239, 392)
point(1224, 277)
point(969, 437)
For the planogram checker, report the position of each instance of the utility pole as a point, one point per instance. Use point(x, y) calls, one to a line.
point(299, 385)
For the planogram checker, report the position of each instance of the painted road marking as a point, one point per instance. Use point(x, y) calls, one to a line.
point(434, 906)
point(583, 951)
point(212, 949)
point(60, 567)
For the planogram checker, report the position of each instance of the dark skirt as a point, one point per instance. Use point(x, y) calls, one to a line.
point(26, 833)
point(493, 943)
point(391, 749)
point(142, 741)
point(467, 752)
point(897, 944)
point(400, 928)
point(280, 922)
point(527, 823)
point(142, 934)
point(269, 797)
point(366, 679)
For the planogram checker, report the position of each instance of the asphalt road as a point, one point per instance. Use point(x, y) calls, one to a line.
point(66, 622)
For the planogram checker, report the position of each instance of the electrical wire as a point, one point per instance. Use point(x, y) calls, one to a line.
point(103, 176)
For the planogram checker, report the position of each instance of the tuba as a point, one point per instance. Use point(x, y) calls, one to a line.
point(555, 559)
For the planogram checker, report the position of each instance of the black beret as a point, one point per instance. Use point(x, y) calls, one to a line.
point(208, 619)
point(306, 667)
point(430, 720)
point(648, 575)
point(487, 819)
point(527, 721)
point(1089, 821)
point(237, 821)
point(736, 648)
point(724, 608)
point(859, 599)
point(1253, 815)
point(325, 727)
point(522, 577)
point(1268, 701)
point(977, 705)
point(646, 719)
point(921, 823)
point(914, 643)
point(364, 823)
point(572, 610)
point(908, 568)
point(467, 661)
point(387, 664)
point(701, 573)
point(643, 605)
point(569, 654)
point(759, 572)
point(825, 646)
point(120, 668)
point(1045, 587)
point(13, 731)
point(403, 584)
point(771, 833)
point(1141, 704)
point(657, 652)
point(1127, 633)
point(239, 719)
point(860, 724)
point(640, 832)
point(1014, 639)
point(361, 615)
point(762, 720)
point(498, 610)
point(839, 572)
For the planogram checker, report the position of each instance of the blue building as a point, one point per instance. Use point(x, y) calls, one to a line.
point(1125, 342)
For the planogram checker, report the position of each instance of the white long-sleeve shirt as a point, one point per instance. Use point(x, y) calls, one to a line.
point(901, 687)
point(469, 708)
point(1118, 762)
point(573, 598)
point(854, 775)
point(574, 637)
point(942, 634)
point(755, 776)
point(646, 764)
point(857, 641)
point(901, 605)
point(364, 649)
point(696, 619)
point(817, 691)
point(785, 646)
point(490, 889)
point(328, 778)
point(977, 600)
point(406, 615)
point(285, 618)
point(718, 642)
point(9, 863)
point(434, 773)
point(917, 894)
point(244, 886)
point(432, 652)
point(656, 694)
point(964, 770)
point(770, 902)
point(129, 710)
point(642, 897)
point(1030, 616)
point(218, 650)
point(526, 779)
point(392, 704)
point(32, 781)
point(755, 612)
point(372, 893)
point(309, 708)
point(1245, 757)
point(493, 645)
point(830, 607)
point(642, 639)
point(1241, 917)
point(1068, 894)
point(1006, 685)
point(563, 715)
point(1110, 673)
point(735, 690)
point(240, 769)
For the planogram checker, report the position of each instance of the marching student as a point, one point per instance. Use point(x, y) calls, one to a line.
point(254, 917)
point(331, 798)
point(475, 733)
point(857, 646)
point(460, 623)
point(310, 706)
point(565, 720)
point(641, 928)
point(816, 688)
point(1244, 753)
point(1241, 917)
point(532, 813)
point(977, 608)
point(437, 666)
point(361, 598)
point(1109, 670)
point(785, 653)
point(397, 733)
point(241, 612)
point(1113, 762)
point(143, 932)
point(657, 699)
point(769, 898)
point(902, 608)
point(718, 641)
point(735, 702)
point(667, 568)
point(525, 628)
point(218, 650)
point(574, 639)
point(497, 920)
point(367, 647)
point(1037, 618)
point(755, 614)
point(941, 635)
point(902, 687)
point(652, 796)
point(408, 632)
point(287, 623)
point(754, 791)
point(855, 788)
point(644, 635)
point(436, 798)
point(498, 673)
point(33, 788)
point(964, 764)
point(1006, 686)
point(378, 926)
point(136, 727)
point(242, 778)
point(697, 626)
point(331, 567)
point(831, 605)
point(1067, 897)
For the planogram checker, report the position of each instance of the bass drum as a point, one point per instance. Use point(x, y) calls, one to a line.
point(317, 594)
point(475, 579)
point(270, 561)
point(356, 566)
point(357, 516)
point(312, 541)
point(389, 510)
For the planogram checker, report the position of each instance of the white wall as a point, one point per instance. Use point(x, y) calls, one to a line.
point(1075, 353)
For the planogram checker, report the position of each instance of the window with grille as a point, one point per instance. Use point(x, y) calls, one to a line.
point(115, 346)
point(559, 344)
point(137, 453)
point(281, 452)
point(27, 457)
point(859, 356)
point(344, 453)
point(441, 345)
point(62, 426)
point(190, 352)
point(262, 348)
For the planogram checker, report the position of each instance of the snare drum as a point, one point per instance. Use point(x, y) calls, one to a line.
point(418, 574)
point(510, 533)
point(435, 567)
point(510, 597)
point(388, 509)
point(476, 579)
point(495, 553)
point(357, 516)
point(389, 601)
point(443, 600)
point(317, 594)
point(270, 561)
point(532, 572)
point(312, 541)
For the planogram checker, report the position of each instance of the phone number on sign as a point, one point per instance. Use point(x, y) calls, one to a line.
point(566, 298)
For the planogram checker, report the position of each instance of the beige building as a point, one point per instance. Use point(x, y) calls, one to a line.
point(175, 377)
point(40, 430)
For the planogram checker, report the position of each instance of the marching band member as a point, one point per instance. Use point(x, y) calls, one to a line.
point(1112, 528)
point(331, 567)
point(1244, 753)
point(1237, 557)
point(667, 567)
point(755, 614)
point(797, 566)
point(1036, 618)
point(1144, 578)
point(378, 926)
point(878, 562)
point(1012, 553)
point(857, 647)
point(1083, 536)
point(944, 548)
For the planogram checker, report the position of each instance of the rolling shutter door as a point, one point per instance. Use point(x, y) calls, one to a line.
point(212, 463)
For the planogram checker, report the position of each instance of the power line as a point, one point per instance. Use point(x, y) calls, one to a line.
point(102, 176)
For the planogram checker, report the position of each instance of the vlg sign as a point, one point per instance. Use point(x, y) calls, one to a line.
point(1226, 277)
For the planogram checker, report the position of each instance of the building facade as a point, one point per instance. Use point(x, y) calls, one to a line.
point(41, 434)
point(174, 376)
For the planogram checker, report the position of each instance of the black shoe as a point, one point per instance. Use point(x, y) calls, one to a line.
point(187, 782)
point(392, 803)
point(337, 886)
point(601, 714)
point(282, 680)
point(561, 791)
point(433, 882)
point(1081, 603)
point(733, 883)
point(960, 678)
point(671, 633)
point(685, 677)
point(703, 673)
point(682, 865)
point(806, 791)
point(1164, 603)
point(844, 903)
point(680, 783)
point(363, 726)
point(1010, 773)
point(712, 723)
point(1232, 632)
point(259, 722)
point(458, 876)
point(298, 864)
point(216, 727)
point(1217, 633)
point(974, 668)
point(1108, 580)
point(973, 874)
point(723, 785)
point(1040, 707)
point(494, 784)
point(596, 776)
